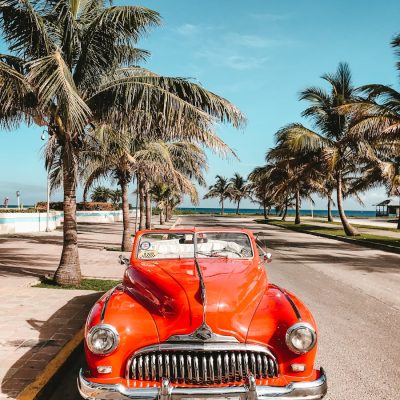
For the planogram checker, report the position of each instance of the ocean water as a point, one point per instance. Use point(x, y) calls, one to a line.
point(317, 213)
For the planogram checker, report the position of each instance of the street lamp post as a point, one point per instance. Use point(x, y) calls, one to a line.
point(18, 202)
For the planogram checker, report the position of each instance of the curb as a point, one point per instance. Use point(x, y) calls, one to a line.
point(32, 391)
point(368, 244)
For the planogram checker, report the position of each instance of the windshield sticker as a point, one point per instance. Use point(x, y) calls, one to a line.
point(147, 254)
point(145, 246)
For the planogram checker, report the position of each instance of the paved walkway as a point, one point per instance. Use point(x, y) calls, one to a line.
point(36, 323)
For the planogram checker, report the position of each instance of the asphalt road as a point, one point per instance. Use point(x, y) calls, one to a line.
point(354, 294)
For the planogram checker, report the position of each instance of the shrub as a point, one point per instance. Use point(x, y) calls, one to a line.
point(56, 206)
point(17, 210)
point(95, 206)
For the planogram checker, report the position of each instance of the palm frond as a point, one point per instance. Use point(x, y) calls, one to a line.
point(55, 85)
point(25, 29)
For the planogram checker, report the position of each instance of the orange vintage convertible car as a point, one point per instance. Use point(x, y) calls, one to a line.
point(196, 317)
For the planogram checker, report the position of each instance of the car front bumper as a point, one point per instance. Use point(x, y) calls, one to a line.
point(295, 390)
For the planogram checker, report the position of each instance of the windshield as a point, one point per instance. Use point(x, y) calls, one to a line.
point(163, 245)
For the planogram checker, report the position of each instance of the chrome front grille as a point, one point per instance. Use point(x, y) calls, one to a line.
point(203, 366)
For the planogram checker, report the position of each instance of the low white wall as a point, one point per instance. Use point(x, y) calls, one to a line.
point(36, 222)
point(29, 222)
point(101, 216)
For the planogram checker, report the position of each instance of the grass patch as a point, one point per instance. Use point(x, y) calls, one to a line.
point(365, 238)
point(113, 248)
point(98, 285)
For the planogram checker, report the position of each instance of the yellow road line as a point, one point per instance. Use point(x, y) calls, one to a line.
point(32, 390)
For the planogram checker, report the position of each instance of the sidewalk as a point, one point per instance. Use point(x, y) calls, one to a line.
point(35, 323)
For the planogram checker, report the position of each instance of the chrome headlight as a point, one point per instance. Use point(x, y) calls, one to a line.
point(301, 337)
point(102, 339)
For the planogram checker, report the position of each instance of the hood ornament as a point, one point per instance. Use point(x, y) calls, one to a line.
point(203, 332)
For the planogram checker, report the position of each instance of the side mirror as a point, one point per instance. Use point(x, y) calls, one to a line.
point(267, 257)
point(123, 260)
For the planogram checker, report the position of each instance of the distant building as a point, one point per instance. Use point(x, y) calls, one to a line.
point(387, 207)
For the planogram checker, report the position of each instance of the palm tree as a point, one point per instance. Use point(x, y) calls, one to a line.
point(377, 124)
point(73, 65)
point(293, 173)
point(101, 194)
point(116, 197)
point(239, 190)
point(332, 136)
point(160, 193)
point(262, 188)
point(221, 189)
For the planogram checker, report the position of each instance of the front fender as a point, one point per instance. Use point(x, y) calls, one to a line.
point(134, 324)
point(274, 315)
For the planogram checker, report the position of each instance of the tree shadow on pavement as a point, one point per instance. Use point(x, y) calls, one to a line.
point(54, 333)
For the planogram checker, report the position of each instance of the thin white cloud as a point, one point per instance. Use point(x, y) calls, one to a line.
point(254, 41)
point(222, 58)
point(188, 29)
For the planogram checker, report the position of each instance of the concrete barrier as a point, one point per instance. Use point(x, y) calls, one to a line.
point(36, 222)
point(29, 222)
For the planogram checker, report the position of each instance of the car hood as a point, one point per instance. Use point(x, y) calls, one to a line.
point(170, 291)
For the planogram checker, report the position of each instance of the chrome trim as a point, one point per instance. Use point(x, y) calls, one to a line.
point(196, 369)
point(207, 346)
point(202, 334)
point(300, 325)
point(103, 311)
point(203, 292)
point(106, 327)
point(314, 390)
point(201, 363)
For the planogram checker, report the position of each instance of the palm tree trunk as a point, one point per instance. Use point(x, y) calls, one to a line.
point(69, 271)
point(141, 205)
point(237, 208)
point(148, 210)
point(297, 219)
point(285, 212)
point(136, 207)
point(162, 221)
point(222, 206)
point(349, 230)
point(265, 209)
point(126, 235)
point(330, 217)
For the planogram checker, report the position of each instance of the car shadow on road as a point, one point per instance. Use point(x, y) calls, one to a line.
point(53, 334)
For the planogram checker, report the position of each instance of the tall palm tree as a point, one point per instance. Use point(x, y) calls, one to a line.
point(377, 123)
point(221, 190)
point(240, 190)
point(74, 64)
point(332, 136)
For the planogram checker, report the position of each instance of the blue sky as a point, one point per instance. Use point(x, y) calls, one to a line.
point(259, 54)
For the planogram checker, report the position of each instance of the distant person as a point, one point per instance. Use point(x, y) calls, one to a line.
point(6, 202)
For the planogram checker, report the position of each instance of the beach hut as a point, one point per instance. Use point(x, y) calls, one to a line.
point(387, 207)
